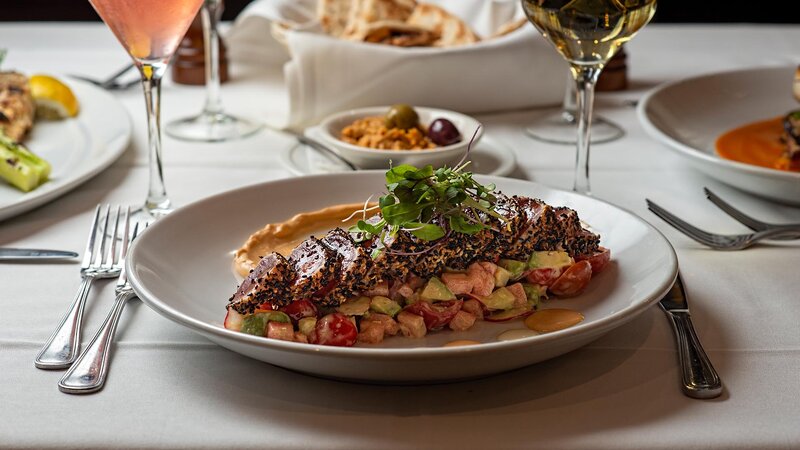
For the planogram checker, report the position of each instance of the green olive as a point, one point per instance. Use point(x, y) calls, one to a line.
point(401, 116)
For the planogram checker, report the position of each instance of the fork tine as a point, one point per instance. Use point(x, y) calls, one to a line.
point(110, 258)
point(123, 274)
point(100, 256)
point(125, 237)
point(744, 219)
point(88, 254)
point(693, 232)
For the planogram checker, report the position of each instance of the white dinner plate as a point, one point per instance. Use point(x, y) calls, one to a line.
point(489, 157)
point(690, 114)
point(188, 278)
point(77, 149)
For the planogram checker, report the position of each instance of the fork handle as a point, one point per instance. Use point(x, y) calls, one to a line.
point(61, 349)
point(88, 374)
point(699, 379)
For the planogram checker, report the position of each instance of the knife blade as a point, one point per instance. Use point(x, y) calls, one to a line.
point(699, 379)
point(29, 254)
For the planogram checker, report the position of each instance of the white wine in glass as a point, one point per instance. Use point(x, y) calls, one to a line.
point(587, 33)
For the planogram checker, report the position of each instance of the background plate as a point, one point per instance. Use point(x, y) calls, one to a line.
point(188, 278)
point(690, 114)
point(78, 148)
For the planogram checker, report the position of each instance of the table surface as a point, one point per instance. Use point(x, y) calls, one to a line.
point(169, 387)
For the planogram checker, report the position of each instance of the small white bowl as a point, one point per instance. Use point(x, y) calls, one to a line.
point(329, 130)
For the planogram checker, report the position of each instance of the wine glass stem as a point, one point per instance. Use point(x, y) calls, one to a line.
point(157, 203)
point(585, 79)
point(210, 16)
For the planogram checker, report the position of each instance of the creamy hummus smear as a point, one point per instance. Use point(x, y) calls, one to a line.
point(283, 237)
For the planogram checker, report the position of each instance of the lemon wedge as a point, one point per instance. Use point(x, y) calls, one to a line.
point(54, 99)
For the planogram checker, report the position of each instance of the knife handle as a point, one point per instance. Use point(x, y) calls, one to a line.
point(698, 377)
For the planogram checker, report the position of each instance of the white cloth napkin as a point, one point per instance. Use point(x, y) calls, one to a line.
point(324, 75)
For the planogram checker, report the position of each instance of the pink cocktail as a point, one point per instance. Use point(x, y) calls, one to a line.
point(150, 31)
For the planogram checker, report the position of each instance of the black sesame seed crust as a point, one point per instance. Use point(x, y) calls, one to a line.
point(336, 268)
point(268, 282)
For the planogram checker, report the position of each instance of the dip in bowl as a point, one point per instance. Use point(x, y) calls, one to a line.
point(330, 132)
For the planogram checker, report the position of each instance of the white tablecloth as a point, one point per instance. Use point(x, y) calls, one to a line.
point(169, 387)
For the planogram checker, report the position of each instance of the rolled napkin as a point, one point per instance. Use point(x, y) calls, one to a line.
point(325, 74)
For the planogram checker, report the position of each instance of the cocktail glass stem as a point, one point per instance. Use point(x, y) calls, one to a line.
point(157, 203)
point(585, 79)
point(213, 124)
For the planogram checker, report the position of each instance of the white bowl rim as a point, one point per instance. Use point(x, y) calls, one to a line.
point(660, 135)
point(322, 129)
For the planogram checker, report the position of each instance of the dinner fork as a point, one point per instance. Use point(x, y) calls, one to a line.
point(716, 241)
point(88, 374)
point(61, 349)
point(751, 222)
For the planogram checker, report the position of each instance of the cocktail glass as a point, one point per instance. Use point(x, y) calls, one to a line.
point(150, 31)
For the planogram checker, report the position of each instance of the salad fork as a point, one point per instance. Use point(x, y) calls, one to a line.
point(88, 374)
point(751, 222)
point(61, 349)
point(717, 241)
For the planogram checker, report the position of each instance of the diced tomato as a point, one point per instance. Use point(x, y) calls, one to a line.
point(482, 280)
point(544, 276)
point(520, 299)
point(599, 260)
point(334, 329)
point(573, 281)
point(436, 315)
point(489, 267)
point(280, 330)
point(299, 309)
point(458, 283)
point(233, 320)
point(462, 321)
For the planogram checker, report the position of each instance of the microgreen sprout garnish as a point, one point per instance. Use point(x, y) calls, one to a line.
point(431, 204)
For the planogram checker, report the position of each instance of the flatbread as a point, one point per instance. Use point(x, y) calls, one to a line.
point(452, 30)
point(399, 34)
point(365, 12)
point(333, 15)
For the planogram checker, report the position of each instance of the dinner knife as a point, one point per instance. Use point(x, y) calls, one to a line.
point(698, 377)
point(29, 254)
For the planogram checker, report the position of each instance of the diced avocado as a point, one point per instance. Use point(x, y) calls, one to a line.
point(515, 268)
point(501, 277)
point(384, 305)
point(436, 290)
point(306, 325)
point(256, 324)
point(20, 167)
point(551, 259)
point(501, 298)
point(354, 307)
point(535, 294)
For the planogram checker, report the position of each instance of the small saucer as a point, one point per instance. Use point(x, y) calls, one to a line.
point(489, 157)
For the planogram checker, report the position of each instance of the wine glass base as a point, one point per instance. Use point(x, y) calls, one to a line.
point(213, 127)
point(562, 128)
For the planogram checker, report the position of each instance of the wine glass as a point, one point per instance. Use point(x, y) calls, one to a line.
point(560, 127)
point(587, 33)
point(212, 124)
point(150, 31)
